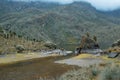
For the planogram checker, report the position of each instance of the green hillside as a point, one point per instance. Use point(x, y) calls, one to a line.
point(61, 24)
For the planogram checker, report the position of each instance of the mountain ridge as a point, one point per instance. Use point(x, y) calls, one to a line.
point(62, 24)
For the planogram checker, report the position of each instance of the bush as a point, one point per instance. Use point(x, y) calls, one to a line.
point(81, 74)
point(47, 78)
point(95, 71)
point(110, 73)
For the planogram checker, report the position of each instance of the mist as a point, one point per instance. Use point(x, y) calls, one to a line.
point(104, 5)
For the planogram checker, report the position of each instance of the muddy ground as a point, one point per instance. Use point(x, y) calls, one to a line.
point(34, 69)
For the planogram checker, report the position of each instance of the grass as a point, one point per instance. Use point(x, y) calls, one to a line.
point(81, 56)
point(34, 69)
point(14, 58)
point(46, 69)
point(35, 22)
point(81, 74)
point(109, 72)
point(7, 46)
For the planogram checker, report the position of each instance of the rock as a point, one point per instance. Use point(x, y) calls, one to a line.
point(50, 45)
point(98, 54)
point(19, 48)
point(92, 51)
point(117, 43)
point(113, 55)
point(88, 43)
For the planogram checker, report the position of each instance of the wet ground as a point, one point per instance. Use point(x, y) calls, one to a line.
point(34, 69)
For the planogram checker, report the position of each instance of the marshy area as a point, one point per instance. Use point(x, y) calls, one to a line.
point(81, 67)
point(33, 69)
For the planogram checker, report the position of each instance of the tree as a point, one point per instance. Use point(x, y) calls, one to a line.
point(87, 34)
point(94, 38)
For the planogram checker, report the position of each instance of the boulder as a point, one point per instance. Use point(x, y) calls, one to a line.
point(89, 43)
point(113, 55)
point(50, 45)
point(19, 48)
point(117, 43)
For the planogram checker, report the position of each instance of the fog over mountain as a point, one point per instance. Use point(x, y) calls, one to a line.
point(104, 5)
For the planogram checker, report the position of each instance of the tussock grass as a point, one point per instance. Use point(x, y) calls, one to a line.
point(81, 74)
point(110, 71)
point(81, 56)
point(7, 46)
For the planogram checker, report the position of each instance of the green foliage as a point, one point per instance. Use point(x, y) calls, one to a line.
point(87, 34)
point(81, 74)
point(95, 71)
point(94, 38)
point(1, 30)
point(48, 79)
point(58, 23)
point(110, 73)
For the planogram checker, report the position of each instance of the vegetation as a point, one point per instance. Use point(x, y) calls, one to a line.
point(10, 44)
point(26, 26)
point(61, 24)
point(110, 72)
point(81, 74)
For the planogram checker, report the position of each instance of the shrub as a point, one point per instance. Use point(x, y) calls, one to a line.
point(48, 78)
point(95, 71)
point(110, 73)
point(81, 74)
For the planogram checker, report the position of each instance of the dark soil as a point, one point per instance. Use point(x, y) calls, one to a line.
point(34, 69)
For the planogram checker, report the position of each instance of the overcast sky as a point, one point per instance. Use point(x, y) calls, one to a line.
point(98, 4)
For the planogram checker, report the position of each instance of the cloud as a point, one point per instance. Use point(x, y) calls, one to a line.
point(60, 1)
point(105, 5)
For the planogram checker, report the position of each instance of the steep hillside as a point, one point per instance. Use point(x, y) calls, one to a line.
point(9, 43)
point(62, 24)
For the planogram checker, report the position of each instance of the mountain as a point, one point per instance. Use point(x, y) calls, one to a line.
point(61, 24)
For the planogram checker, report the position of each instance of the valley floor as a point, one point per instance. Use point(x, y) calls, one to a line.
point(32, 66)
point(34, 69)
point(86, 60)
point(13, 58)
